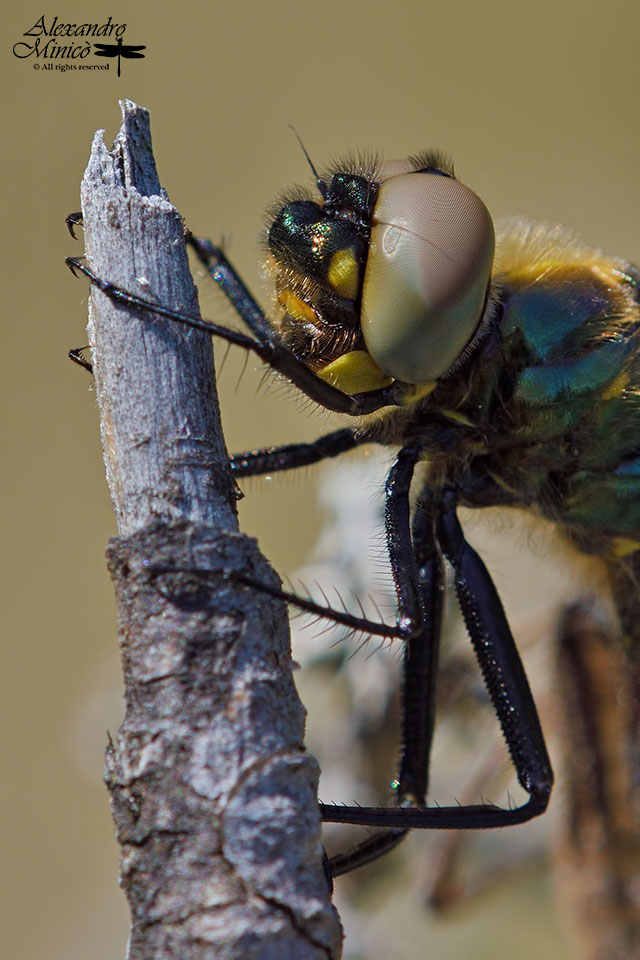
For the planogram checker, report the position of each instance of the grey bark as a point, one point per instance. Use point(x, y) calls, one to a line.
point(212, 792)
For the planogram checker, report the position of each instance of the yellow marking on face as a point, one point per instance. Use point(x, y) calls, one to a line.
point(617, 386)
point(343, 273)
point(355, 372)
point(296, 308)
point(416, 391)
point(623, 546)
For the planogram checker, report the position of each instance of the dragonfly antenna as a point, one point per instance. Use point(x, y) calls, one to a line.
point(322, 187)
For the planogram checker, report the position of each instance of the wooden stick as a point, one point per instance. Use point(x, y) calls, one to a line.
point(213, 795)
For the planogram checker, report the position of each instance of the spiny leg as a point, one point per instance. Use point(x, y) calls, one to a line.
point(254, 463)
point(274, 459)
point(499, 660)
point(420, 668)
point(77, 355)
point(246, 306)
point(508, 688)
point(421, 658)
point(408, 614)
point(399, 541)
point(73, 220)
point(268, 459)
point(268, 346)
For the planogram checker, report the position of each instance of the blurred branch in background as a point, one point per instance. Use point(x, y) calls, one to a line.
point(213, 795)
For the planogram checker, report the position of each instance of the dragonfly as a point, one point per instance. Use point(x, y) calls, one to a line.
point(503, 363)
point(127, 51)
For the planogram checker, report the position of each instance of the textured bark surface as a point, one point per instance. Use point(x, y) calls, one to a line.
point(213, 794)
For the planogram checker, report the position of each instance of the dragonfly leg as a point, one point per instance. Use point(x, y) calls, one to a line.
point(397, 513)
point(507, 686)
point(498, 658)
point(419, 675)
point(222, 271)
point(420, 666)
point(274, 459)
point(268, 347)
point(73, 220)
point(77, 355)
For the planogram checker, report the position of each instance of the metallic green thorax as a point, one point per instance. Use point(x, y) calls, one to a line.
point(549, 408)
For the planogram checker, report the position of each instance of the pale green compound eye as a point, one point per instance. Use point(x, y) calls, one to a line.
point(427, 275)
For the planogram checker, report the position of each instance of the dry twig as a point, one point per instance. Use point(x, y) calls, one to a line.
point(212, 792)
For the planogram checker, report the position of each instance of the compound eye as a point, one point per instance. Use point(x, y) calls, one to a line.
point(428, 271)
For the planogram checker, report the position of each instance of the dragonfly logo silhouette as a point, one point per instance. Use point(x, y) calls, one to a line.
point(119, 50)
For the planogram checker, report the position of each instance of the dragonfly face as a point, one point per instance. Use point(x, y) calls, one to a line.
point(388, 278)
point(509, 364)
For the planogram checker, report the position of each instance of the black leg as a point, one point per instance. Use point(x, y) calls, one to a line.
point(233, 286)
point(398, 529)
point(246, 306)
point(402, 563)
point(376, 845)
point(77, 355)
point(397, 520)
point(73, 220)
point(273, 459)
point(358, 624)
point(420, 667)
point(421, 659)
point(498, 658)
point(508, 688)
point(268, 347)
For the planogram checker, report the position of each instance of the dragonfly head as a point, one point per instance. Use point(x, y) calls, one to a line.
point(386, 274)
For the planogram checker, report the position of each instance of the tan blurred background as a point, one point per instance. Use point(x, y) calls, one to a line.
point(537, 104)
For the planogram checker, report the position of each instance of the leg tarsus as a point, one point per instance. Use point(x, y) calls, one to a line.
point(375, 846)
point(77, 355)
point(73, 220)
point(287, 457)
